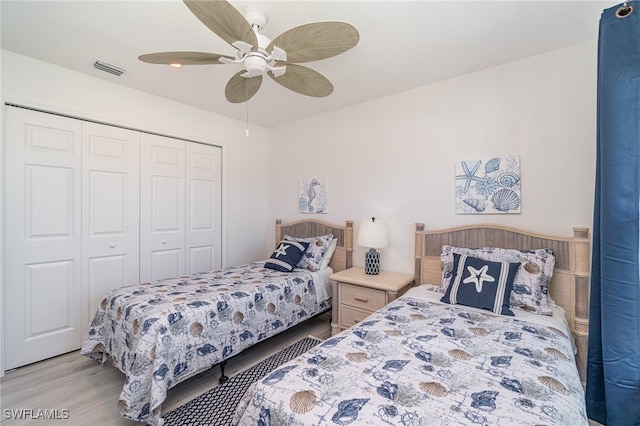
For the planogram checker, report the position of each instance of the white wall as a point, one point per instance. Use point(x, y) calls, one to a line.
point(394, 158)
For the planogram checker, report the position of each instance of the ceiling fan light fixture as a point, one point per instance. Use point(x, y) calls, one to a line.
point(176, 65)
point(255, 65)
point(257, 55)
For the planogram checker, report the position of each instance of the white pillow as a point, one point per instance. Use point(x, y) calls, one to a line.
point(326, 257)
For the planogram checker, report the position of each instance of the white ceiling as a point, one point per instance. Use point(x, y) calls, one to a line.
point(403, 45)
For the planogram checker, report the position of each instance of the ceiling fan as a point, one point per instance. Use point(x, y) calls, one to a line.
point(257, 55)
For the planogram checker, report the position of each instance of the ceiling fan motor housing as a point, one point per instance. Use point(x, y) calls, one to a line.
point(255, 64)
point(258, 62)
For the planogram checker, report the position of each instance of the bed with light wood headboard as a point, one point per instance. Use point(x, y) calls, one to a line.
point(177, 327)
point(422, 360)
point(569, 286)
point(342, 257)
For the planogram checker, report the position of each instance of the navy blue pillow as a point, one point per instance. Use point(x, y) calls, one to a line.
point(481, 284)
point(286, 256)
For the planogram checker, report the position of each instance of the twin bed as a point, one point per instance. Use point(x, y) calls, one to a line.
point(420, 361)
point(415, 361)
point(164, 332)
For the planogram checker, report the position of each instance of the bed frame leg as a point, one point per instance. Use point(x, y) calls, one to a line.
point(223, 378)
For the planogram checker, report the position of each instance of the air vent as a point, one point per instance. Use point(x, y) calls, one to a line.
point(106, 67)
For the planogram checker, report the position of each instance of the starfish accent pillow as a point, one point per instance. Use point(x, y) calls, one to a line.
point(531, 284)
point(286, 256)
point(481, 284)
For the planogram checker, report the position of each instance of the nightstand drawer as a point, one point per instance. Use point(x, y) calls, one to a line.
point(352, 316)
point(362, 297)
point(358, 294)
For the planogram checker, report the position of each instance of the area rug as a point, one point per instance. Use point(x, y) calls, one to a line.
point(217, 406)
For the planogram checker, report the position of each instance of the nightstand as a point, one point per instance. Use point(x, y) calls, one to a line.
point(356, 295)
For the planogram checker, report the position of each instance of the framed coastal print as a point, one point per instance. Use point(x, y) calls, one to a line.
point(314, 195)
point(488, 186)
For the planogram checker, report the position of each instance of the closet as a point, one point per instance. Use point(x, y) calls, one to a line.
point(91, 207)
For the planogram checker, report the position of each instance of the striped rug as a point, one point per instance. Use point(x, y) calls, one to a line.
point(216, 407)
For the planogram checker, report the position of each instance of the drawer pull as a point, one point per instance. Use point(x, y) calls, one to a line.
point(361, 299)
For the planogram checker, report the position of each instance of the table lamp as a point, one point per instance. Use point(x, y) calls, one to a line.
point(372, 234)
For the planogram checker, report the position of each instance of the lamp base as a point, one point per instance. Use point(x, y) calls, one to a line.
point(372, 262)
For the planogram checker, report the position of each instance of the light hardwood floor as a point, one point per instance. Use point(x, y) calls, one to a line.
point(90, 391)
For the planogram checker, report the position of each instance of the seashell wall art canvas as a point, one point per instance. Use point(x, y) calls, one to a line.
point(488, 186)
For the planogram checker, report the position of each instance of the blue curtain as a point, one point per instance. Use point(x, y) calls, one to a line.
point(613, 366)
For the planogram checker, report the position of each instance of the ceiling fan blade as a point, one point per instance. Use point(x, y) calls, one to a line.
point(316, 41)
point(183, 58)
point(241, 89)
point(224, 20)
point(305, 81)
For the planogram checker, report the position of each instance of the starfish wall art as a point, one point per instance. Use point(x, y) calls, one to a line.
point(488, 186)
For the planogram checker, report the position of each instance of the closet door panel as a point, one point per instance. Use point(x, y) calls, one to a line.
point(204, 205)
point(50, 218)
point(162, 212)
point(42, 236)
point(167, 263)
point(111, 212)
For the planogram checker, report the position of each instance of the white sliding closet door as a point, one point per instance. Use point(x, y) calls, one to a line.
point(204, 206)
point(110, 212)
point(42, 236)
point(90, 208)
point(162, 208)
point(180, 207)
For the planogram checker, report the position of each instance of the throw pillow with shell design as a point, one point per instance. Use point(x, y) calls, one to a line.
point(312, 257)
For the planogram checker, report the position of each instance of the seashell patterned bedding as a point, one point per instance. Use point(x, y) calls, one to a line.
point(419, 361)
point(162, 333)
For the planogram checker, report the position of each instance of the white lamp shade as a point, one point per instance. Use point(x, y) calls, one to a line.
point(373, 234)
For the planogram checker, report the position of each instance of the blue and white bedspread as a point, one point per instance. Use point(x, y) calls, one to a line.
point(420, 362)
point(161, 333)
